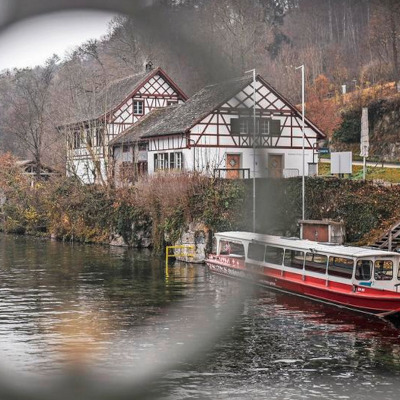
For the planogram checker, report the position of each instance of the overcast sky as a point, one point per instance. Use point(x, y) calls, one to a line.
point(30, 42)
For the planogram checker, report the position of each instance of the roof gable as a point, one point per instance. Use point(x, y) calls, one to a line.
point(186, 115)
point(142, 126)
point(224, 94)
point(180, 119)
point(117, 92)
point(292, 107)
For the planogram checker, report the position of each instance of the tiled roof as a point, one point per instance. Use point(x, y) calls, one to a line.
point(181, 118)
point(145, 124)
point(186, 115)
point(93, 106)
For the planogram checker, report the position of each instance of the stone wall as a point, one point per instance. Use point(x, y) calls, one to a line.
point(199, 235)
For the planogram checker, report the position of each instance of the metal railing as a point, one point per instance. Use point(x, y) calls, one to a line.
point(232, 173)
point(291, 172)
point(180, 253)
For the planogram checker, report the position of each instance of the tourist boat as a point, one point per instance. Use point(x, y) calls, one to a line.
point(358, 278)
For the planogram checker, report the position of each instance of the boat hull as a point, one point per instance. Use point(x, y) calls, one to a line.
point(359, 298)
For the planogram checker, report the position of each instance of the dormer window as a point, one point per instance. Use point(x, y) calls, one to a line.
point(138, 107)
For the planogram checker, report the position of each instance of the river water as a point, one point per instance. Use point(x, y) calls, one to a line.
point(118, 310)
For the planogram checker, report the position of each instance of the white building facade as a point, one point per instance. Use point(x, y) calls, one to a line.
point(213, 133)
point(120, 105)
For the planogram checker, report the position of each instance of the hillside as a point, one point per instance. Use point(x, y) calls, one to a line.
point(203, 41)
point(384, 124)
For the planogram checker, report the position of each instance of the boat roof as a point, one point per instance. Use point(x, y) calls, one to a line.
point(302, 244)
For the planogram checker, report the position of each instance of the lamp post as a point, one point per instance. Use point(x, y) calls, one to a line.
point(254, 147)
point(302, 130)
point(192, 142)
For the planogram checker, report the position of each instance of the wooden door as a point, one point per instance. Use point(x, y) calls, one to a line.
point(275, 165)
point(232, 166)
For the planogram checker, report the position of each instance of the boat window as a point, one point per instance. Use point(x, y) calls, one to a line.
point(274, 255)
point(256, 251)
point(316, 262)
point(294, 259)
point(383, 270)
point(340, 266)
point(231, 248)
point(363, 270)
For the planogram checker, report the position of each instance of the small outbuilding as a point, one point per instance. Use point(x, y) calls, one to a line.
point(31, 169)
point(323, 231)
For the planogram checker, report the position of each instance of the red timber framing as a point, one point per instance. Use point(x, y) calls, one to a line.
point(214, 130)
point(157, 91)
point(163, 143)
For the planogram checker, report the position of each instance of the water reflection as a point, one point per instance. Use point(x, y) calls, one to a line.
point(64, 303)
point(284, 347)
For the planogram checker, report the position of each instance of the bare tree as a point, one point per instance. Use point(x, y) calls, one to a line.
point(82, 78)
point(385, 32)
point(26, 101)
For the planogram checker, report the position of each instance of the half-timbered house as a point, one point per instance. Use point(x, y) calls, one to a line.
point(130, 150)
point(216, 132)
point(117, 107)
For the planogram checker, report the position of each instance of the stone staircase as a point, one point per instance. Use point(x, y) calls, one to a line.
point(390, 240)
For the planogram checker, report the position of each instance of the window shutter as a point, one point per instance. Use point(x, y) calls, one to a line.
point(235, 126)
point(250, 124)
point(275, 127)
point(155, 162)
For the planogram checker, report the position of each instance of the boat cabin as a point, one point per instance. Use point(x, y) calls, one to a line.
point(319, 263)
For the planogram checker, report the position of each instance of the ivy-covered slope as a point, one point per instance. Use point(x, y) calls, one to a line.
point(366, 209)
point(161, 207)
point(384, 128)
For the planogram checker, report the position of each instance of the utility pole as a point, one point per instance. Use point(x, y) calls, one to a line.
point(254, 147)
point(364, 142)
point(302, 129)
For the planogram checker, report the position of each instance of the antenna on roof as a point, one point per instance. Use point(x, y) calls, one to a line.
point(149, 66)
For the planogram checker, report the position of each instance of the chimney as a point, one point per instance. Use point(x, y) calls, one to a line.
point(149, 66)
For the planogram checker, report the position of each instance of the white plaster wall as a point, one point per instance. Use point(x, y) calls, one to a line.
point(293, 161)
point(206, 159)
point(209, 158)
point(83, 168)
point(187, 159)
point(225, 138)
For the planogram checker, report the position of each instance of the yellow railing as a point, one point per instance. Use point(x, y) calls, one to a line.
point(181, 254)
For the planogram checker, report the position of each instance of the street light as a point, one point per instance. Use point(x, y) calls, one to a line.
point(192, 142)
point(254, 147)
point(302, 130)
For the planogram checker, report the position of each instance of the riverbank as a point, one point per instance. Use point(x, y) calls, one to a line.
point(153, 211)
point(161, 209)
point(367, 209)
